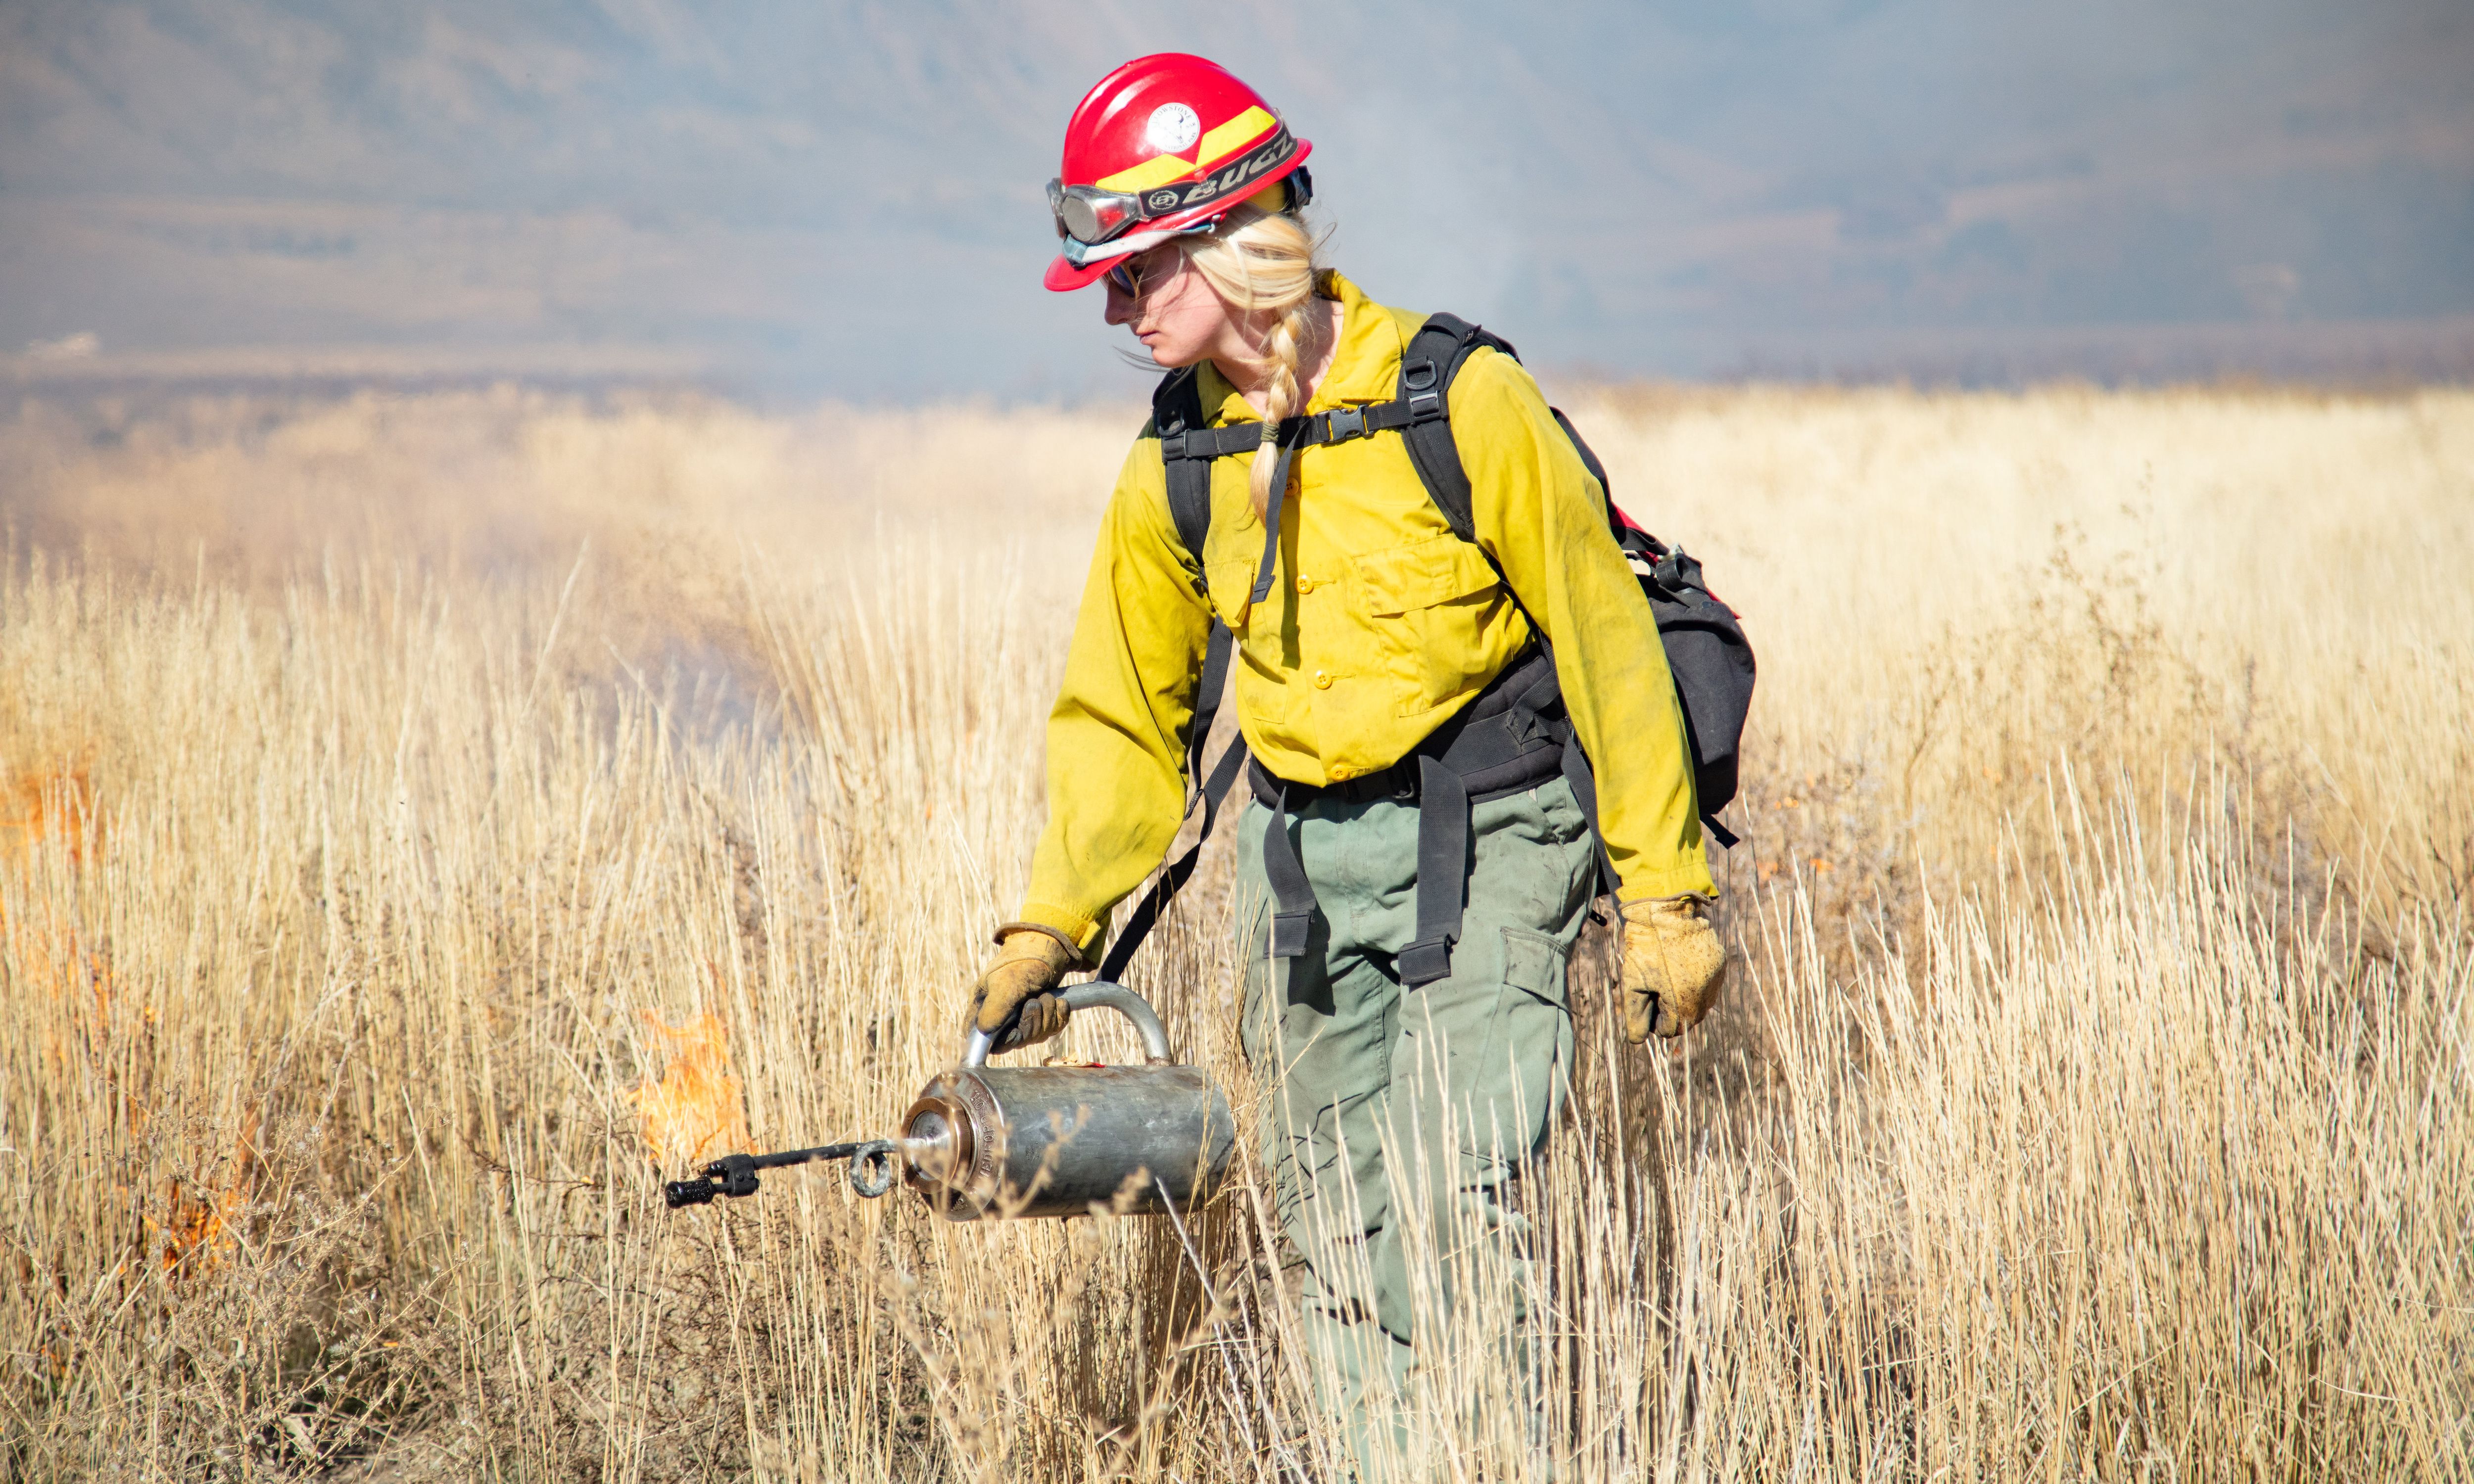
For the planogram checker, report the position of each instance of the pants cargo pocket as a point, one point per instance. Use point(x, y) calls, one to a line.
point(1508, 1053)
point(1258, 1007)
point(1523, 1081)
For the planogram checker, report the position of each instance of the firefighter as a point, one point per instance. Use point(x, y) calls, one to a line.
point(1408, 1076)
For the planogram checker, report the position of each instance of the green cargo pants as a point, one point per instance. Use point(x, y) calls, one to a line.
point(1396, 1120)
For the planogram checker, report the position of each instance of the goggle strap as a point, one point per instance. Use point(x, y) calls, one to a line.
point(1169, 200)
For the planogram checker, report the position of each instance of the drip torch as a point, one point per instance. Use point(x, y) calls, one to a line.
point(982, 1142)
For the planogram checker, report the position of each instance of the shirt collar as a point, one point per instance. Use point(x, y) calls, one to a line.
point(1365, 368)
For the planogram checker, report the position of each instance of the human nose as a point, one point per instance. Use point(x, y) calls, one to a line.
point(1122, 306)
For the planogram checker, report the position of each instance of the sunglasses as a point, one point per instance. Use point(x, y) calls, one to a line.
point(1121, 275)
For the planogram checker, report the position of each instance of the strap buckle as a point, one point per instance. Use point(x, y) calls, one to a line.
point(1425, 961)
point(1173, 445)
point(1343, 423)
point(1422, 381)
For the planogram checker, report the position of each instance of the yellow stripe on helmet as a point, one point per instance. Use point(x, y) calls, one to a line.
point(1159, 170)
point(1235, 136)
point(1211, 149)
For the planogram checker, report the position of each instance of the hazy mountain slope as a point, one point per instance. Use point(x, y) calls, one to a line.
point(847, 195)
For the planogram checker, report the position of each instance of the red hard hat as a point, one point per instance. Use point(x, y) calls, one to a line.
point(1163, 145)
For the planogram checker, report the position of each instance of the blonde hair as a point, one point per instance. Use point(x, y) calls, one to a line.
point(1261, 262)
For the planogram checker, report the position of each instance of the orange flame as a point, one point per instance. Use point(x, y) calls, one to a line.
point(193, 1229)
point(694, 1112)
point(36, 805)
point(194, 1226)
point(199, 1226)
point(44, 944)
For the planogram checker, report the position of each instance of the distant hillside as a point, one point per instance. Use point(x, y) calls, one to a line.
point(845, 197)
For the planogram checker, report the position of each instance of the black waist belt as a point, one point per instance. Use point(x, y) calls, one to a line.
point(1511, 739)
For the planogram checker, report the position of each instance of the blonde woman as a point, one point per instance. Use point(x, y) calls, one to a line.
point(1419, 850)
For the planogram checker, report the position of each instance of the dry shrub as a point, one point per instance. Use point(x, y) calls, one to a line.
point(2090, 1103)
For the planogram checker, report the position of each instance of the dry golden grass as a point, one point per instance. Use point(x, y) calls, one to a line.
point(414, 806)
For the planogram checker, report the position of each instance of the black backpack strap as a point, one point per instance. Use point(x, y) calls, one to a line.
point(1177, 409)
point(1428, 366)
point(1292, 892)
point(1442, 874)
point(1208, 794)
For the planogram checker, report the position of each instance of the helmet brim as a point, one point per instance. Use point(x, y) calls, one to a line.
point(1063, 277)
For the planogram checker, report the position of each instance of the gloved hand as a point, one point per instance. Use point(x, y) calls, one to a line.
point(1673, 965)
point(1031, 962)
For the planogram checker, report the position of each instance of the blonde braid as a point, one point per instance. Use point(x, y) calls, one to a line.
point(1266, 260)
point(1282, 349)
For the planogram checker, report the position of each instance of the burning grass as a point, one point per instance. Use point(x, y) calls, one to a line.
point(694, 1112)
point(385, 886)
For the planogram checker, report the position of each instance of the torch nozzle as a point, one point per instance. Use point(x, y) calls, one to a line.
point(871, 1171)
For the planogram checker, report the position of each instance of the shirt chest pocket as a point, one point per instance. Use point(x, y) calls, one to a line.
point(1262, 691)
point(1428, 604)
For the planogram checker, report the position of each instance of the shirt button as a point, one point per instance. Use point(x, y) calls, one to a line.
point(1305, 585)
point(1322, 680)
point(1342, 775)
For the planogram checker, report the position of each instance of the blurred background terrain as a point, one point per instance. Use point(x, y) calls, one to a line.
point(844, 197)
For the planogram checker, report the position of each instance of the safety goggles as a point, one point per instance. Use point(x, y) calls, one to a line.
point(1091, 218)
point(1090, 215)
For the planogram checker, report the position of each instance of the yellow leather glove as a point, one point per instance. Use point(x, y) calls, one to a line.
point(1031, 962)
point(1673, 965)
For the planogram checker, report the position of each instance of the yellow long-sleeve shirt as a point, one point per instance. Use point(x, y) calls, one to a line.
point(1383, 625)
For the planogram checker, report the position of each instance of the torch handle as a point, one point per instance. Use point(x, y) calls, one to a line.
point(1090, 995)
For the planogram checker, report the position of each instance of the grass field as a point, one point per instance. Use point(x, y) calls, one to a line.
point(418, 809)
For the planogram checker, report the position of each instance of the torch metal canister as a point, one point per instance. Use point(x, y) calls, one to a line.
point(989, 1141)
